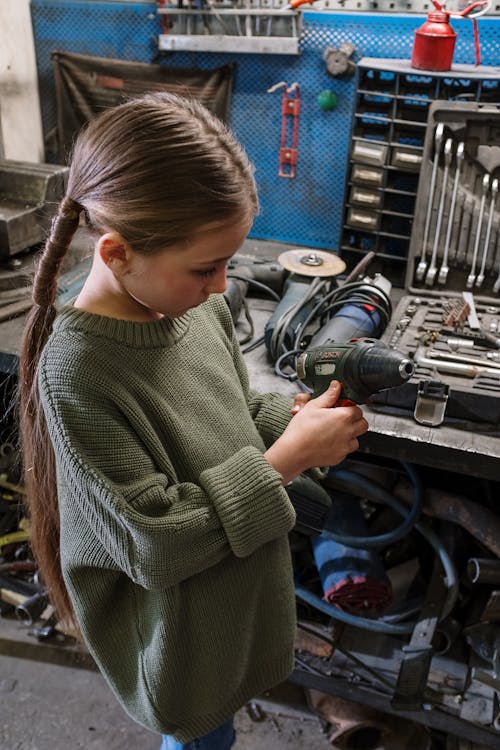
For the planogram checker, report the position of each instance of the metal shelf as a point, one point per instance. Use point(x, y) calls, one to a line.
point(271, 31)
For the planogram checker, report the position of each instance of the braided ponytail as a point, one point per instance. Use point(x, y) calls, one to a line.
point(37, 453)
point(155, 170)
point(63, 227)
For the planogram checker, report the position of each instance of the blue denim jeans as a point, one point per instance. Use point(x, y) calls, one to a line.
point(220, 739)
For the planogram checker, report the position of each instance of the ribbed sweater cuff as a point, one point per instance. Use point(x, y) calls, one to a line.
point(274, 417)
point(249, 498)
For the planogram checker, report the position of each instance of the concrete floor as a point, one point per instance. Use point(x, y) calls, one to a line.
point(47, 706)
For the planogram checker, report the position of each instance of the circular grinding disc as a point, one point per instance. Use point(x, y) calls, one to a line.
point(311, 262)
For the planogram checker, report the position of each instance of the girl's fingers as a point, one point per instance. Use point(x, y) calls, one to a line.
point(300, 399)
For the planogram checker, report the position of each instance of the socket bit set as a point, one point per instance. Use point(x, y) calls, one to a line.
point(454, 343)
point(449, 324)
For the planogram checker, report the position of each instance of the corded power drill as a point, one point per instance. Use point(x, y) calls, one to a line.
point(363, 367)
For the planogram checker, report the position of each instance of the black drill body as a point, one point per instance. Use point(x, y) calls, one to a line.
point(363, 368)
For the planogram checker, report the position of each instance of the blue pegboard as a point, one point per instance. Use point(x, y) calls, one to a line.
point(306, 210)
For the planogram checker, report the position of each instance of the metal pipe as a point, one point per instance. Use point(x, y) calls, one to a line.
point(482, 570)
point(32, 608)
point(445, 636)
point(481, 523)
point(352, 726)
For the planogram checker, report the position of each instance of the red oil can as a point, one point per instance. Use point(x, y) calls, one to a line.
point(434, 43)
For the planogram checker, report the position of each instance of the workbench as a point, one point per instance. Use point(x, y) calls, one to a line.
point(392, 436)
point(395, 436)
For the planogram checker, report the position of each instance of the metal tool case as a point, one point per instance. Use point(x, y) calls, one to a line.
point(450, 321)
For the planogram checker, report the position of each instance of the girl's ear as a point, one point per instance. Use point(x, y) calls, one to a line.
point(115, 252)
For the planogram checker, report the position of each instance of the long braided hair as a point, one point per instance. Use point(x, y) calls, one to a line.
point(154, 169)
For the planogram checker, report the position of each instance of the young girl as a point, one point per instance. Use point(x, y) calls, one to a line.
point(155, 475)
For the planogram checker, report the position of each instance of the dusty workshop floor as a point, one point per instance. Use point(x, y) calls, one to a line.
point(46, 706)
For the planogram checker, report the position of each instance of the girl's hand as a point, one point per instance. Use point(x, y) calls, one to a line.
point(317, 435)
point(300, 400)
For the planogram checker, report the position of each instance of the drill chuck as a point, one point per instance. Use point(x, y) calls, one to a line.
point(363, 367)
point(378, 367)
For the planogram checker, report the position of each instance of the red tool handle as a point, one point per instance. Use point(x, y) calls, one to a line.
point(345, 402)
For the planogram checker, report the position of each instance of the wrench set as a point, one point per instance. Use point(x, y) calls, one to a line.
point(450, 322)
point(387, 158)
point(455, 241)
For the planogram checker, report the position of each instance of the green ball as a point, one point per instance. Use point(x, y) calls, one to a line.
point(327, 100)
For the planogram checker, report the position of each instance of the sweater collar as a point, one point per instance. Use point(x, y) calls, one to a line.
point(162, 332)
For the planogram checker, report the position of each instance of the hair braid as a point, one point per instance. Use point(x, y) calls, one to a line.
point(64, 226)
point(37, 453)
point(154, 169)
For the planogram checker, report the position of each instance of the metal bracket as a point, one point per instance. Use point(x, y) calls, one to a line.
point(412, 691)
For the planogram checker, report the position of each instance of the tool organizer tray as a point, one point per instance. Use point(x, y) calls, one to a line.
point(449, 322)
point(447, 380)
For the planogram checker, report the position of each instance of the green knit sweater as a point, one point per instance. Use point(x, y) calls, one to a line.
point(174, 527)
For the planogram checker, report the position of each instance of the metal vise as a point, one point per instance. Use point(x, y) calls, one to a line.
point(29, 194)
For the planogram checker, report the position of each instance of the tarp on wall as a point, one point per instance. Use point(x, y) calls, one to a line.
point(86, 85)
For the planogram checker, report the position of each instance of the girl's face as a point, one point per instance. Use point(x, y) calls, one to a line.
point(170, 282)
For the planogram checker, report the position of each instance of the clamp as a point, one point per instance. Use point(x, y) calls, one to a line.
point(290, 108)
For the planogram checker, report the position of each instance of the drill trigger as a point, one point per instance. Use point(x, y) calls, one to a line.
point(345, 402)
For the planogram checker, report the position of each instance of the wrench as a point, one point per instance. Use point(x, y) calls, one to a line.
point(464, 234)
point(438, 137)
point(448, 155)
point(452, 357)
point(459, 156)
point(453, 368)
point(496, 285)
point(472, 275)
point(494, 193)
